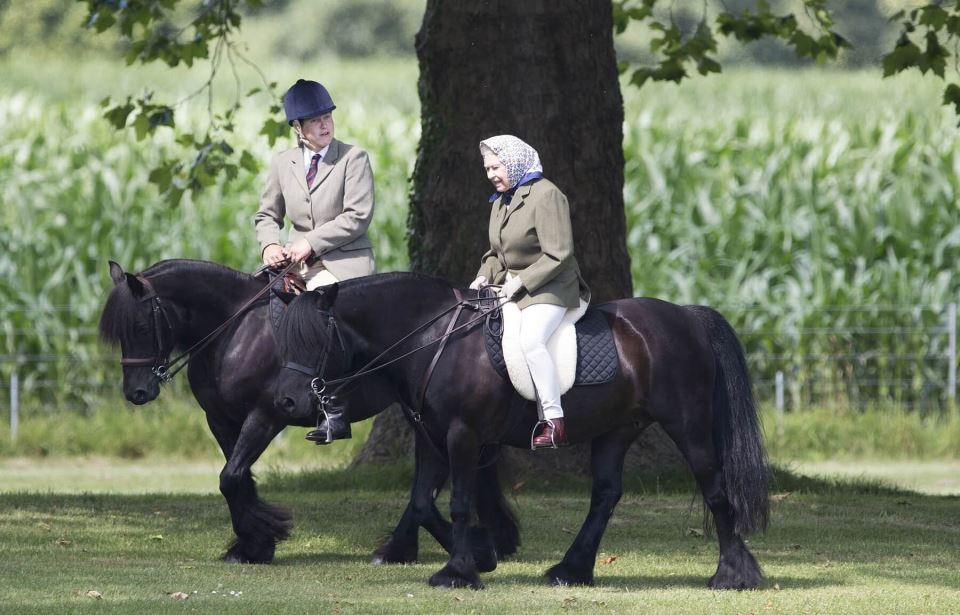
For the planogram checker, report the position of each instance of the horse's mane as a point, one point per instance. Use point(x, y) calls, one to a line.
point(393, 278)
point(117, 316)
point(185, 266)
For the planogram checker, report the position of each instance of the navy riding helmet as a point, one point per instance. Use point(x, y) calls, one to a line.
point(306, 99)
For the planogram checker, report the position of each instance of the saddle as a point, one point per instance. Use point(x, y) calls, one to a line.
point(584, 352)
point(292, 283)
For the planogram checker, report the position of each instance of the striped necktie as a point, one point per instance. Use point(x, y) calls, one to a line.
point(312, 173)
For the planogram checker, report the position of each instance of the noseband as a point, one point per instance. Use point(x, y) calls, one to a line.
point(159, 359)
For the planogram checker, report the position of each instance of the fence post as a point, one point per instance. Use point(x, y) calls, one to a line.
point(952, 350)
point(778, 403)
point(14, 406)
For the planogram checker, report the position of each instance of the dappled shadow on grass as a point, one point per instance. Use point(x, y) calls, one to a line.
point(649, 582)
point(395, 477)
point(319, 559)
point(783, 478)
point(368, 478)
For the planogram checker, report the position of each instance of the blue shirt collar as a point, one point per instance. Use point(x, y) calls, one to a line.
point(508, 194)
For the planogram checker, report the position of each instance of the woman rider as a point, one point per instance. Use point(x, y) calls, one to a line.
point(531, 255)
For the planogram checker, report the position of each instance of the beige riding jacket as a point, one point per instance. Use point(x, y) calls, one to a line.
point(332, 216)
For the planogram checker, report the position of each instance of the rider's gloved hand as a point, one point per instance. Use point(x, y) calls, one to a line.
point(511, 287)
point(480, 281)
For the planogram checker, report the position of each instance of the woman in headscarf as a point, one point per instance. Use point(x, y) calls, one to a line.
point(531, 255)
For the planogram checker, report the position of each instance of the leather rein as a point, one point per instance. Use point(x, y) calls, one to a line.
point(318, 385)
point(163, 367)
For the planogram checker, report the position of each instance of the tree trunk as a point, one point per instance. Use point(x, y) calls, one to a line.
point(546, 72)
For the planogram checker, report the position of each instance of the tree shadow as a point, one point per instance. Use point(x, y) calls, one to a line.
point(312, 559)
point(648, 582)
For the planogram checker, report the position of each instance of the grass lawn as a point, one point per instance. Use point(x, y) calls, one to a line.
point(830, 549)
point(931, 477)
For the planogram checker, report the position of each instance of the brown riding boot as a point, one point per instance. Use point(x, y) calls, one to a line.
point(552, 434)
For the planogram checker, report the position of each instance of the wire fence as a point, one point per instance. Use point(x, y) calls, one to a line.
point(852, 356)
point(799, 356)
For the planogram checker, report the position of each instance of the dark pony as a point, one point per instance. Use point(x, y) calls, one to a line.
point(681, 367)
point(174, 304)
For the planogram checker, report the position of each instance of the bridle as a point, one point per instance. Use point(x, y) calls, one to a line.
point(159, 359)
point(165, 368)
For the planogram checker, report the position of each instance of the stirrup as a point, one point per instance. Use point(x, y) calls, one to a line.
point(330, 427)
point(553, 434)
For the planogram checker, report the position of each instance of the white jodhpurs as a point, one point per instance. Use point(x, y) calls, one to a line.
point(537, 323)
point(316, 275)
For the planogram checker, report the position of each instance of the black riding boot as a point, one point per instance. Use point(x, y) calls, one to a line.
point(333, 426)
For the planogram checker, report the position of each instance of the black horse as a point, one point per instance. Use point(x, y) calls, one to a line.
point(174, 304)
point(681, 367)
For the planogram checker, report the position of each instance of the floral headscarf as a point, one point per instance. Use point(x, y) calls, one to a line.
point(519, 158)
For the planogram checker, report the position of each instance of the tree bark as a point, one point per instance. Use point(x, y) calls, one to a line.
point(546, 72)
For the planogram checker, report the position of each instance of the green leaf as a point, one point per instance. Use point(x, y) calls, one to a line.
point(904, 56)
point(117, 116)
point(102, 20)
point(640, 76)
point(273, 130)
point(933, 16)
point(249, 162)
point(706, 65)
point(162, 177)
point(934, 57)
point(163, 116)
point(951, 96)
point(141, 126)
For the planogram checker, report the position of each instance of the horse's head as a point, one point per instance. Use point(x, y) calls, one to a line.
point(312, 351)
point(134, 318)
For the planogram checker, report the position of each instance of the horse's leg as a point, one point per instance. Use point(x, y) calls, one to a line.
point(498, 537)
point(498, 522)
point(463, 451)
point(737, 568)
point(428, 477)
point(607, 453)
point(258, 525)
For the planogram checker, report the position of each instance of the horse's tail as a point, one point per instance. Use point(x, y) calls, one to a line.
point(737, 432)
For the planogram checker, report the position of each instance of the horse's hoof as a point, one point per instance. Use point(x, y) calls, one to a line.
point(449, 576)
point(484, 549)
point(243, 554)
point(390, 553)
point(232, 558)
point(486, 560)
point(563, 575)
point(719, 582)
point(737, 573)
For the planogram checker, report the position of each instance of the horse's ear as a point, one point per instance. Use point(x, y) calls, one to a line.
point(136, 286)
point(116, 273)
point(284, 295)
point(327, 295)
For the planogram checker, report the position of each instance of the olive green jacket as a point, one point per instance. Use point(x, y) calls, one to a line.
point(332, 216)
point(532, 238)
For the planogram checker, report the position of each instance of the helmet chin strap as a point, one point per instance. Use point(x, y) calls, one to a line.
point(301, 140)
point(299, 130)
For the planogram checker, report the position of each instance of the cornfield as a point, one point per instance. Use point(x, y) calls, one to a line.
point(782, 198)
